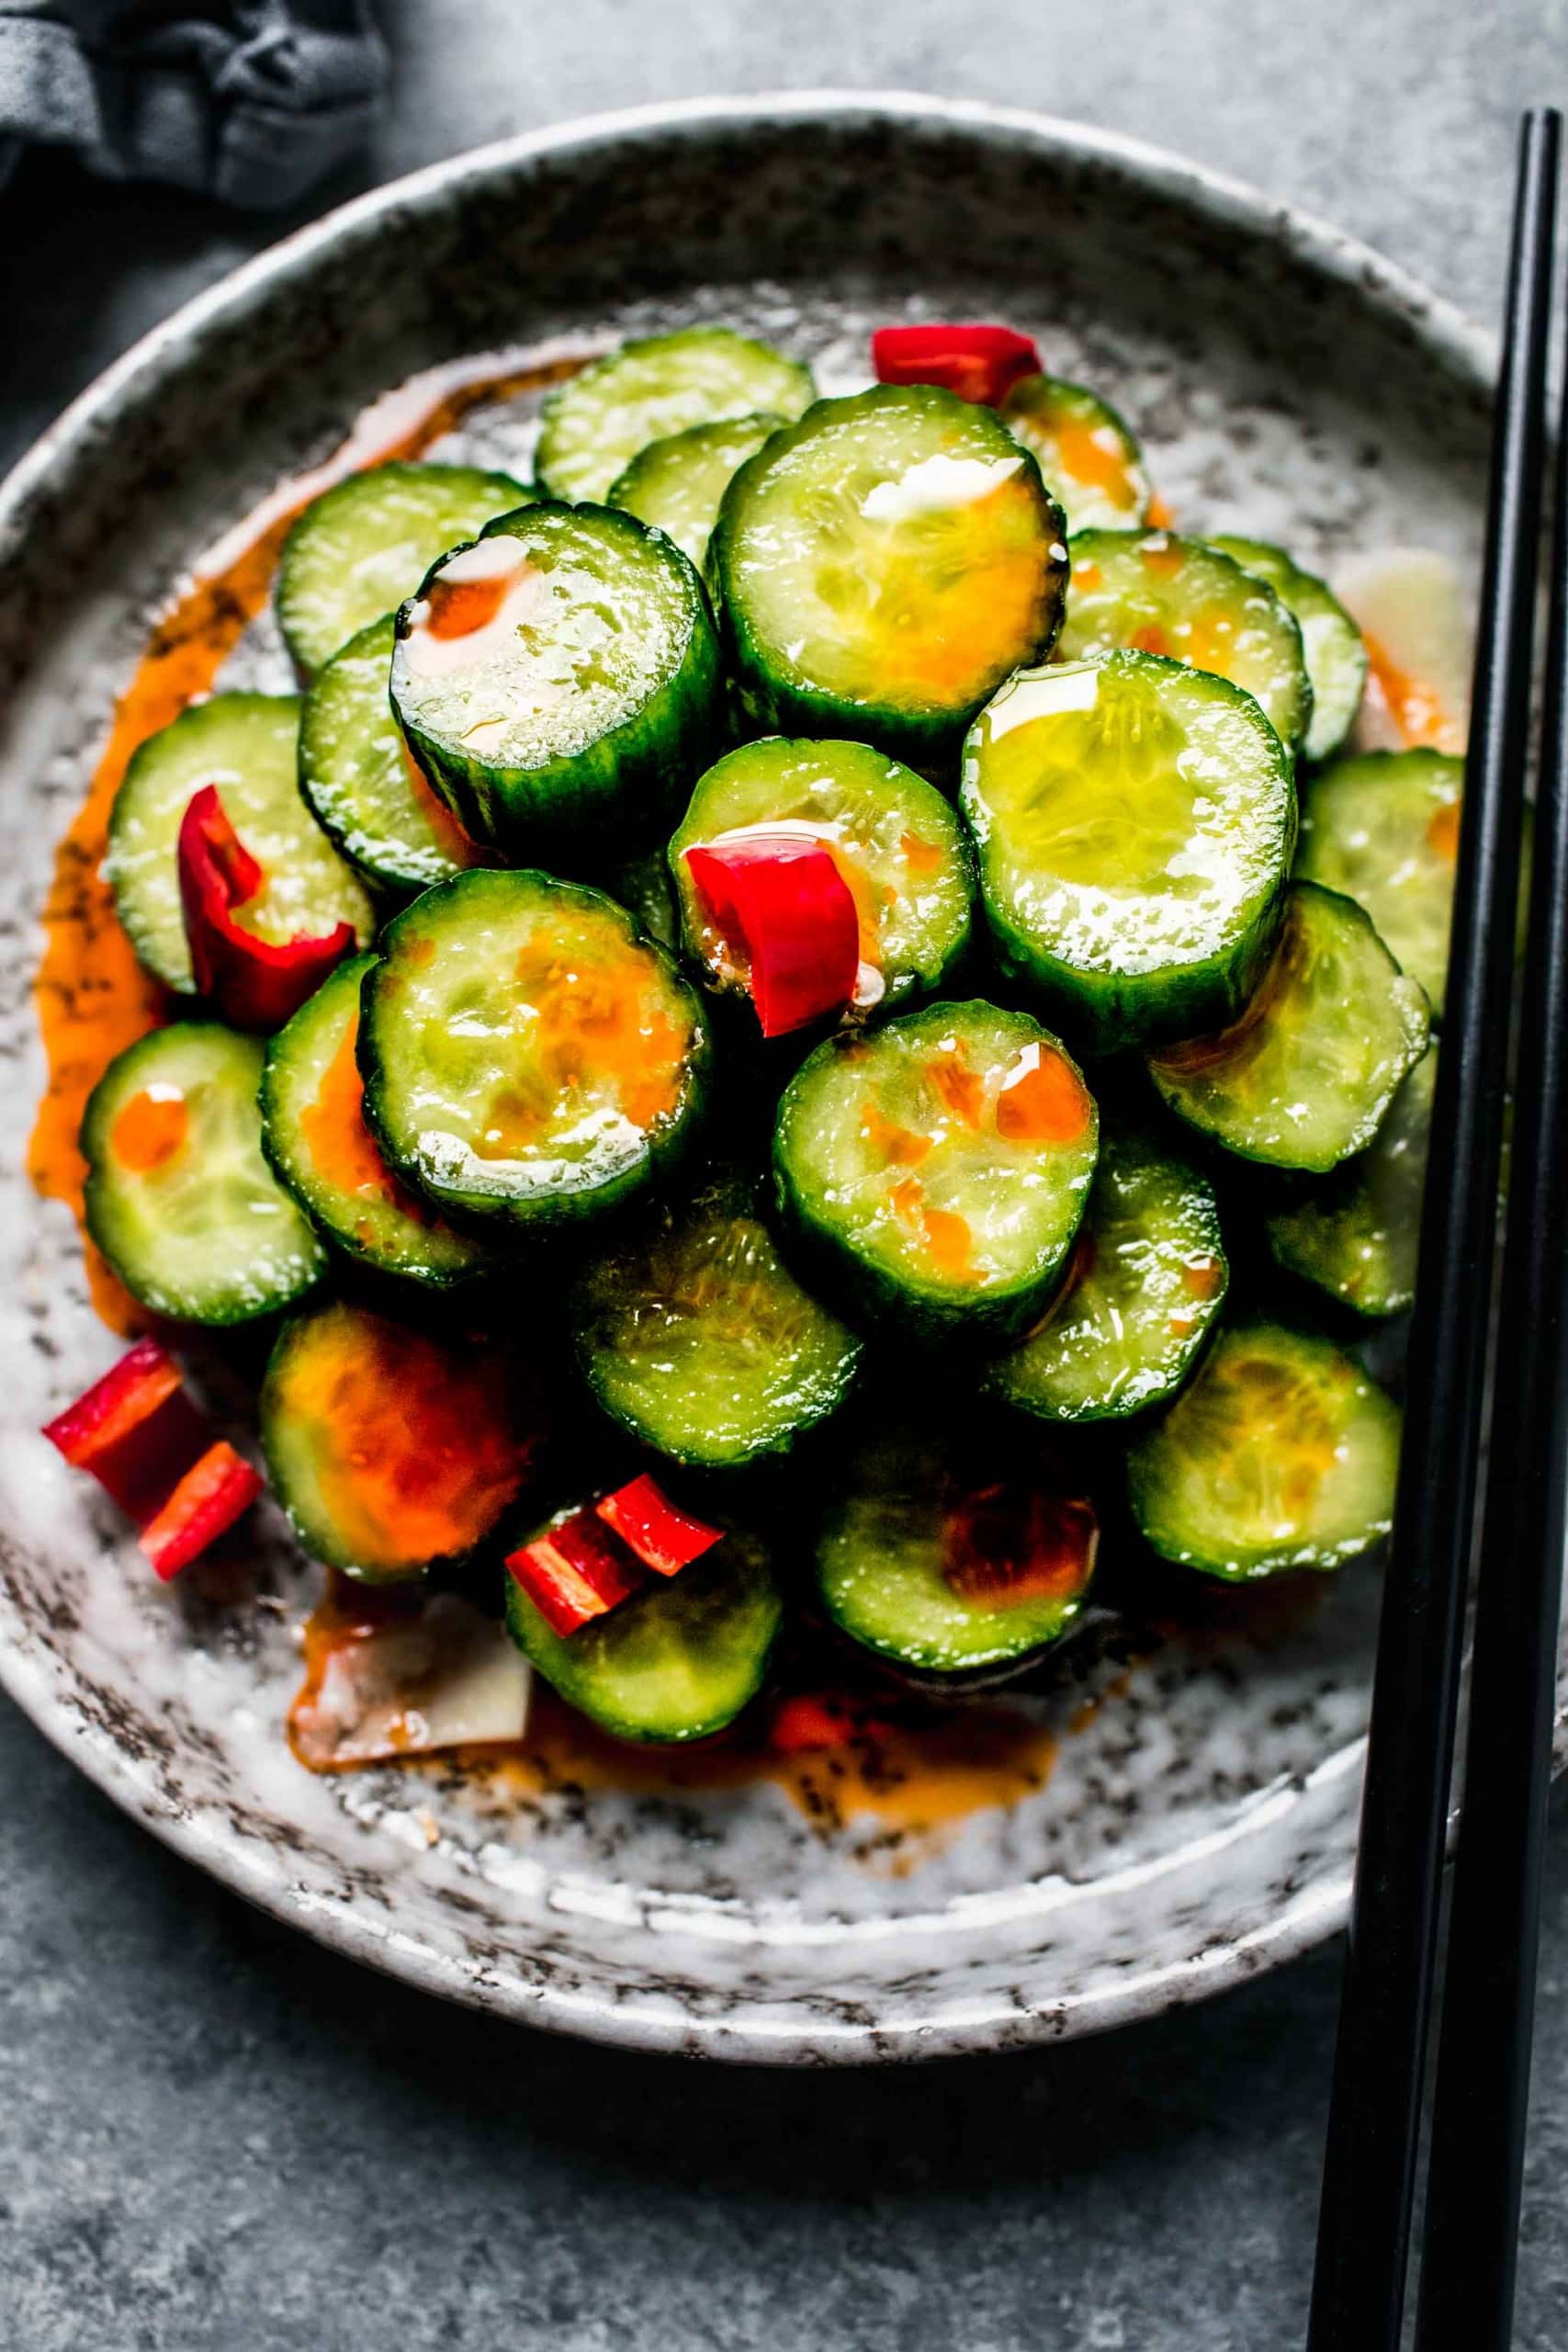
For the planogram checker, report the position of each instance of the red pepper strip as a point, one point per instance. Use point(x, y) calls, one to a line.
point(204, 1505)
point(573, 1572)
point(253, 983)
point(664, 1539)
point(135, 1431)
point(979, 362)
point(784, 905)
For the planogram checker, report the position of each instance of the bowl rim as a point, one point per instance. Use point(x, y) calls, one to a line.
point(36, 1684)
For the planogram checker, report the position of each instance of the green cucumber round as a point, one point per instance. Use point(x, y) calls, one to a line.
point(1087, 456)
point(1384, 829)
point(678, 483)
point(1134, 821)
point(648, 388)
point(1335, 657)
point(1357, 1234)
point(881, 566)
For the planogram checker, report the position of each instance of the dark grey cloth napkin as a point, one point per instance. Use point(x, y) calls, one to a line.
point(250, 100)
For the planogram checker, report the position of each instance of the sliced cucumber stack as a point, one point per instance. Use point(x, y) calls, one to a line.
point(179, 1198)
point(1134, 821)
point(698, 1340)
point(1147, 1278)
point(1303, 1079)
point(1281, 1454)
point(892, 836)
point(947, 1569)
point(678, 482)
point(649, 388)
point(312, 1103)
point(1357, 1233)
point(935, 1171)
point(1158, 593)
point(559, 679)
point(881, 566)
point(1384, 829)
point(390, 1450)
point(677, 1661)
point(247, 746)
point(529, 1055)
point(1335, 657)
point(1089, 459)
point(362, 546)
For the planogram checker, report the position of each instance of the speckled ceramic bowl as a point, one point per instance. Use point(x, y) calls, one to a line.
point(1199, 1826)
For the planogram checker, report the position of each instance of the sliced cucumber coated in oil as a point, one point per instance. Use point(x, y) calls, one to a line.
point(558, 681)
point(697, 1339)
point(362, 546)
point(1303, 1079)
point(389, 1448)
point(647, 390)
point(179, 1198)
point(362, 780)
point(946, 1566)
point(1134, 821)
point(678, 1660)
point(1158, 593)
point(680, 483)
point(892, 836)
point(1384, 829)
point(1335, 657)
point(1147, 1280)
point(935, 1171)
point(1088, 458)
point(312, 1100)
point(881, 566)
point(246, 745)
point(1356, 1234)
point(529, 1054)
point(1281, 1454)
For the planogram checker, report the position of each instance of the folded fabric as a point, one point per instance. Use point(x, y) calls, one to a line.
point(249, 100)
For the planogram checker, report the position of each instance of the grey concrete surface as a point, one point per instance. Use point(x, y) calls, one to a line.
point(214, 2137)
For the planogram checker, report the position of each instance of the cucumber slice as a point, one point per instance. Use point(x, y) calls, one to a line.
point(1158, 593)
point(559, 679)
point(1089, 458)
point(647, 390)
point(1134, 819)
point(313, 1131)
point(1302, 1079)
point(1335, 657)
point(678, 482)
point(1281, 1454)
point(179, 1198)
point(935, 1171)
point(390, 1450)
point(881, 566)
point(942, 1571)
point(529, 1055)
point(1384, 829)
point(678, 1660)
point(362, 546)
point(1356, 1234)
point(1148, 1276)
point(893, 837)
point(698, 1340)
point(361, 781)
point(246, 745)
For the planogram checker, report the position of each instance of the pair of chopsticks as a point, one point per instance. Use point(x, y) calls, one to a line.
point(1482, 2075)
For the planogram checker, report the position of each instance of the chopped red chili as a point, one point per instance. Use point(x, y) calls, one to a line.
point(783, 905)
point(664, 1538)
point(135, 1431)
point(202, 1506)
point(575, 1571)
point(256, 983)
point(979, 362)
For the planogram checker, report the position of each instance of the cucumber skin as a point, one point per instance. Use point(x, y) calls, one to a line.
point(629, 783)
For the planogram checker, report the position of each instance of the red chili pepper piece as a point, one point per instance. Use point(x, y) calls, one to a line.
point(783, 904)
point(135, 1431)
point(204, 1505)
point(664, 1538)
point(256, 983)
point(979, 362)
point(574, 1571)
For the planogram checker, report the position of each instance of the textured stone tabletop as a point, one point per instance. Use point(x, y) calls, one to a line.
point(213, 2134)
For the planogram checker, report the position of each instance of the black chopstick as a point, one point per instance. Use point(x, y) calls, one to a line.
point(1374, 2116)
point(1482, 2094)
